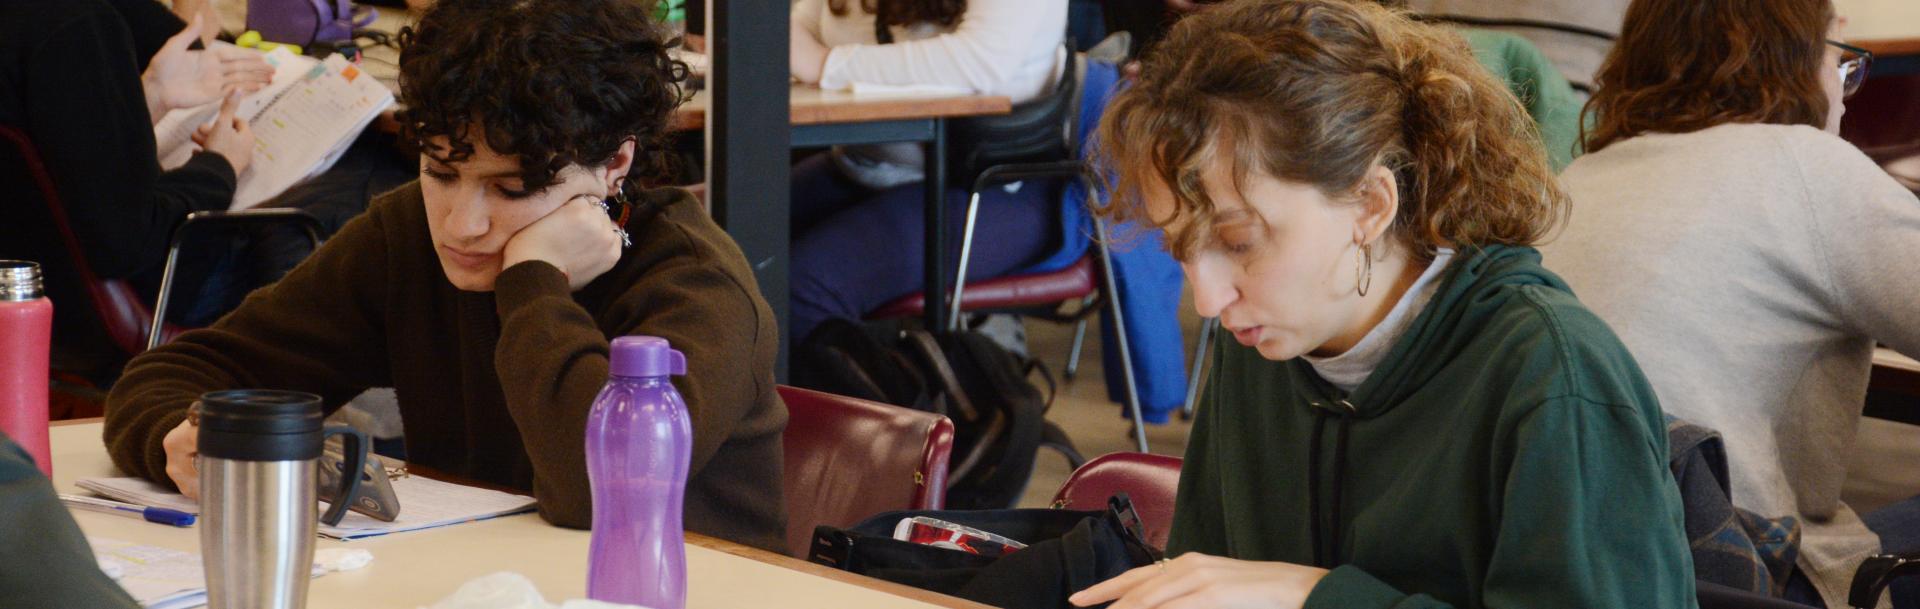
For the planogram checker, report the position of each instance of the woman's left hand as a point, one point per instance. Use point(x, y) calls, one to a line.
point(1196, 581)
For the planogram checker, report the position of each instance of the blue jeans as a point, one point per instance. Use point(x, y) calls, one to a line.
point(1898, 526)
point(855, 248)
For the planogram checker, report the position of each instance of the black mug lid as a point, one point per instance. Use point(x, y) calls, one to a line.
point(260, 411)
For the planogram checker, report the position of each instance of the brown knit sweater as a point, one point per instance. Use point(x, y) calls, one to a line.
point(496, 386)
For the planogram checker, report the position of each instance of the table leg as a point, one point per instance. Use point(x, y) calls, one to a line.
point(936, 227)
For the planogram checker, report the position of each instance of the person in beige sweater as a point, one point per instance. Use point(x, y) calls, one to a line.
point(486, 293)
point(1749, 257)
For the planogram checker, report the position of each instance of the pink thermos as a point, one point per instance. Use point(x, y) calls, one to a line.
point(26, 335)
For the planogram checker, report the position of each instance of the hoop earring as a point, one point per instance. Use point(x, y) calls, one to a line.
point(1363, 272)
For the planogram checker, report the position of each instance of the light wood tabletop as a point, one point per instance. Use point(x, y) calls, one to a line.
point(812, 106)
point(415, 569)
point(1886, 27)
point(809, 105)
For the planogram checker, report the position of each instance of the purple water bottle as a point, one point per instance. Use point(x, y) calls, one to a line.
point(638, 442)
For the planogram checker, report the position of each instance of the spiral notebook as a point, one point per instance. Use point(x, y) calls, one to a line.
point(302, 122)
point(425, 503)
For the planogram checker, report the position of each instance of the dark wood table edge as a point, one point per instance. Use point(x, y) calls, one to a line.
point(1890, 47)
point(67, 422)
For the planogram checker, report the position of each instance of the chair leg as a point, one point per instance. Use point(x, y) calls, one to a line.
point(1079, 340)
point(1202, 346)
point(1120, 333)
point(161, 301)
point(966, 252)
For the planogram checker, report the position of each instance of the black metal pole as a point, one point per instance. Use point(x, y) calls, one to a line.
point(936, 212)
point(747, 141)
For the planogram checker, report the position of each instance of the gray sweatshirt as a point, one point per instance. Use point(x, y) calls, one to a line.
point(1750, 269)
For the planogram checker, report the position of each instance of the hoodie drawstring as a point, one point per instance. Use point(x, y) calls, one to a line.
point(1313, 485)
point(1327, 555)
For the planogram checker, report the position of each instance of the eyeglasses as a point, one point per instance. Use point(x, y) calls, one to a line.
point(1853, 67)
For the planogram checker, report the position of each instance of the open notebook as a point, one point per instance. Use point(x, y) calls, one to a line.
point(425, 503)
point(302, 122)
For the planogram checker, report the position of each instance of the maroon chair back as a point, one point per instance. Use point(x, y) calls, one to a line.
point(1010, 292)
point(118, 306)
point(1150, 481)
point(848, 459)
point(1883, 119)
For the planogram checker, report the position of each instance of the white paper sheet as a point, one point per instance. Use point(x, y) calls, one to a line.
point(425, 503)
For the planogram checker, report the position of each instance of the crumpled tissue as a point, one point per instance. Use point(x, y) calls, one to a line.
point(509, 590)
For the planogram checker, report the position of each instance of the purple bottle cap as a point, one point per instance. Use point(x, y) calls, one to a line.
point(644, 356)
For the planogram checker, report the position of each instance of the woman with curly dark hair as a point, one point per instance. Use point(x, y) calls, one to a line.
point(1751, 258)
point(486, 293)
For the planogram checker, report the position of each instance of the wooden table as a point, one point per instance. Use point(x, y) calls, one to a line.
point(831, 118)
point(415, 569)
point(812, 107)
point(1886, 27)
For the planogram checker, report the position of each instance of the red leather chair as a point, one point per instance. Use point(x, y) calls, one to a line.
point(848, 459)
point(1150, 482)
point(131, 325)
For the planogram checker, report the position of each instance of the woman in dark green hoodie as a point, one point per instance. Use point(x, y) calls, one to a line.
point(1417, 414)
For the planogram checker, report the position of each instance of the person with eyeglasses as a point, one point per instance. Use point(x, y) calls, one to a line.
point(1750, 258)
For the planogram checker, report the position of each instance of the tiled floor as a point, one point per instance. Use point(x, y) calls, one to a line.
point(1083, 411)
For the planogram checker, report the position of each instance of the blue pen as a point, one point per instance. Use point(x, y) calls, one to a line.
point(151, 514)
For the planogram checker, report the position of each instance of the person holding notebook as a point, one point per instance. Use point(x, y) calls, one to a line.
point(85, 81)
point(486, 292)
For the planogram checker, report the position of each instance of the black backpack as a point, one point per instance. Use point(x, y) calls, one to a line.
point(999, 417)
point(1067, 551)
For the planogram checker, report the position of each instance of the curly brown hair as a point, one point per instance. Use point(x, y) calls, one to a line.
point(1318, 92)
point(1685, 65)
point(944, 13)
point(554, 82)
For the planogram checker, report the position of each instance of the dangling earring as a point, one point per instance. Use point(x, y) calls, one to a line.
point(1363, 273)
point(620, 198)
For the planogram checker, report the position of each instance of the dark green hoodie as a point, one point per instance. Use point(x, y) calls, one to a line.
point(1507, 453)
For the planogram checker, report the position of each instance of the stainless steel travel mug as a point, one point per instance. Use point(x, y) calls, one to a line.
point(259, 451)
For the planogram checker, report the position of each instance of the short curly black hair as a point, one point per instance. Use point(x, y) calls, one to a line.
point(554, 82)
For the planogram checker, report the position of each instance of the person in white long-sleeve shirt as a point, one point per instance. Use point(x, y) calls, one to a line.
point(858, 210)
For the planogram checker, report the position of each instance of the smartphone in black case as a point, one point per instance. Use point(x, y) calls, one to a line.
point(376, 498)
